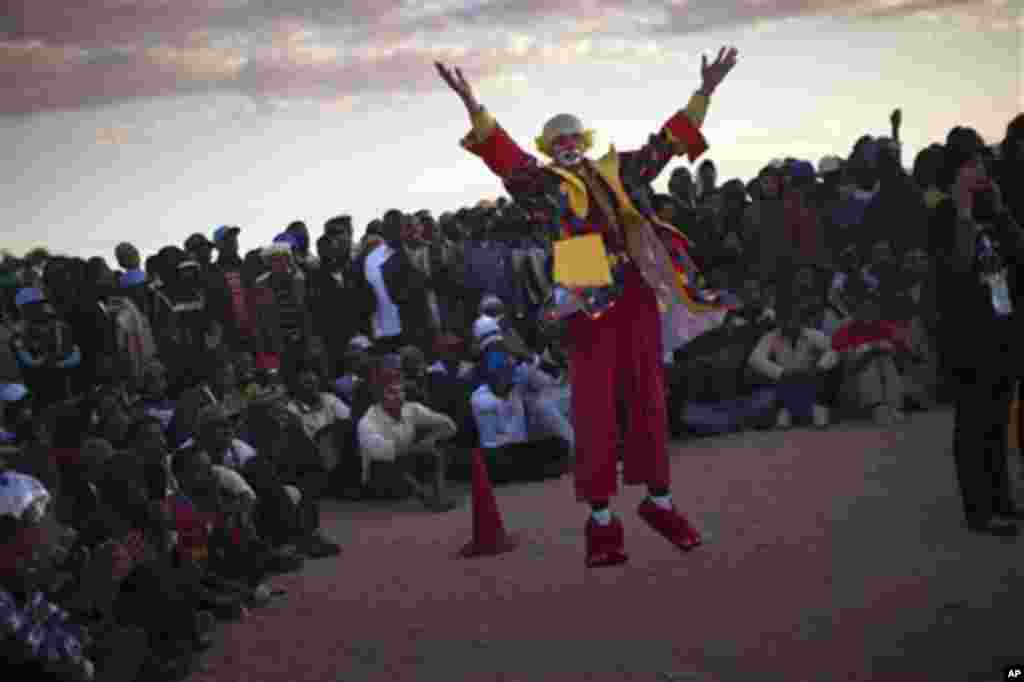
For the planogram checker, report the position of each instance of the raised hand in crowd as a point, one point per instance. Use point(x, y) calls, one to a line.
point(714, 73)
point(452, 75)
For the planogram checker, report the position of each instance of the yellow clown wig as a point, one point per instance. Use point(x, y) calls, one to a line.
point(563, 124)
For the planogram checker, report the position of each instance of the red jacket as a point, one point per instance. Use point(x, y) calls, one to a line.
point(857, 333)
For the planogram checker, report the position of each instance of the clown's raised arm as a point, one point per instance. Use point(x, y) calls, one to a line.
point(565, 140)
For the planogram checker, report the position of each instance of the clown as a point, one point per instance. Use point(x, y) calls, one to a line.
point(615, 340)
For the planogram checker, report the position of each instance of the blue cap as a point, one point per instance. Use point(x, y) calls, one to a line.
point(225, 231)
point(27, 296)
point(286, 238)
point(802, 170)
point(869, 152)
point(12, 393)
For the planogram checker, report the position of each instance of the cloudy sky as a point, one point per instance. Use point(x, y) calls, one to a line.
point(151, 119)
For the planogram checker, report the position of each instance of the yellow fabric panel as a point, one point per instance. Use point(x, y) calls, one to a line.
point(582, 262)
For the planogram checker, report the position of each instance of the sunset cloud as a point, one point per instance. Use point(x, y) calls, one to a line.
point(94, 52)
point(113, 135)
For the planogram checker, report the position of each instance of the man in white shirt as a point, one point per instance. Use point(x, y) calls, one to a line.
point(326, 421)
point(795, 358)
point(398, 440)
point(387, 324)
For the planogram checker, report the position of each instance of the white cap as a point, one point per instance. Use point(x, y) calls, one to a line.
point(486, 330)
point(489, 302)
point(829, 164)
point(360, 343)
point(20, 493)
point(562, 124)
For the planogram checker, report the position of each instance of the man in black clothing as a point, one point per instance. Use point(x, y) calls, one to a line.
point(979, 245)
point(200, 249)
point(226, 292)
point(336, 314)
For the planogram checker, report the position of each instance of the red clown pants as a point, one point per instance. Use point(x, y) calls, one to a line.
point(614, 358)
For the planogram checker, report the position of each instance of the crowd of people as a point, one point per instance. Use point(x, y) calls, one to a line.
point(171, 426)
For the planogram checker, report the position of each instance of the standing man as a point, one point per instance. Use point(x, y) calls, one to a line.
point(979, 247)
point(226, 293)
point(616, 342)
point(336, 314)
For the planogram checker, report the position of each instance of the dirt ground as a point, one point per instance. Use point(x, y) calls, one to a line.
point(835, 555)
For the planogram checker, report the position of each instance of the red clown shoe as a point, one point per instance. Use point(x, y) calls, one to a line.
point(605, 543)
point(670, 524)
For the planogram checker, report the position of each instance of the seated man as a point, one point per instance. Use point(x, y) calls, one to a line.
point(213, 514)
point(37, 636)
point(869, 346)
point(913, 308)
point(548, 406)
point(324, 417)
point(449, 385)
point(794, 358)
point(414, 373)
point(216, 439)
point(709, 391)
point(500, 412)
point(153, 399)
point(220, 388)
point(399, 439)
point(357, 364)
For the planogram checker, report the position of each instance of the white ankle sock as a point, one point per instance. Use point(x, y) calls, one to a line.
point(603, 516)
point(663, 501)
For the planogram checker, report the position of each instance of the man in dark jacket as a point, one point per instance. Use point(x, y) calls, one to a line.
point(978, 245)
point(336, 314)
point(226, 293)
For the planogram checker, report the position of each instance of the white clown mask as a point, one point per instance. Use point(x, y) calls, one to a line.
point(565, 140)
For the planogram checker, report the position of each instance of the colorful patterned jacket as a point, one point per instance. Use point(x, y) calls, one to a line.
point(562, 199)
point(41, 629)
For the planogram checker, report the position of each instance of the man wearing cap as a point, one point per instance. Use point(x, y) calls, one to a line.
point(131, 263)
point(616, 350)
point(134, 282)
point(226, 292)
point(830, 172)
point(44, 348)
point(300, 232)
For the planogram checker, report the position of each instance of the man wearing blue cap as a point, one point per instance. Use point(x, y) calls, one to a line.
point(9, 393)
point(44, 349)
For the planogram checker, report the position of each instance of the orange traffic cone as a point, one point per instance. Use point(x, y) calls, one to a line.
point(489, 536)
